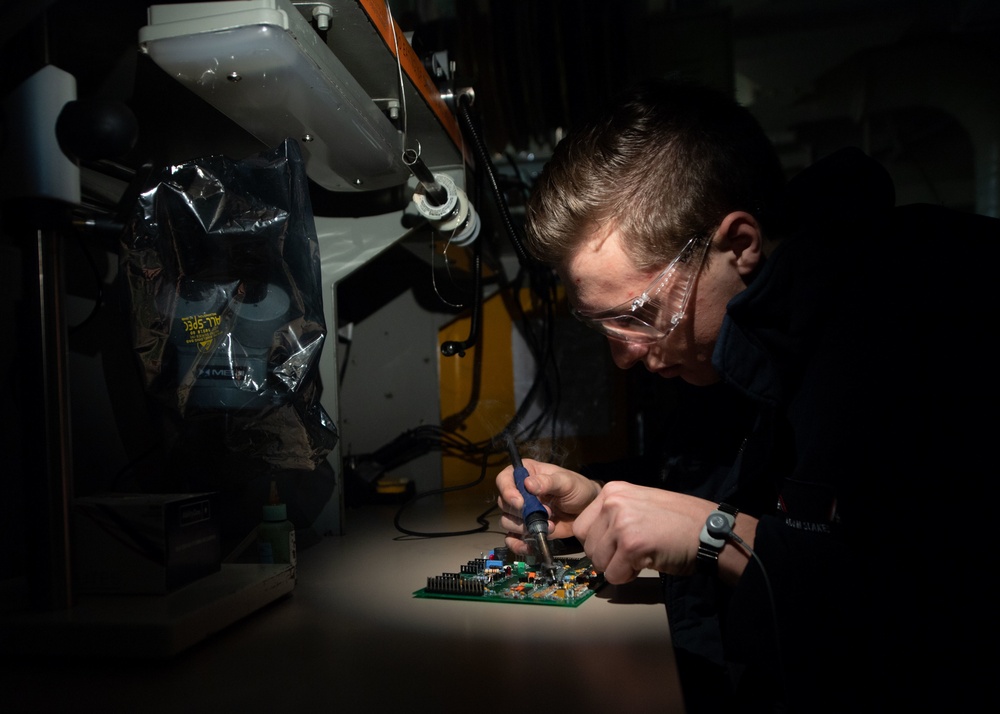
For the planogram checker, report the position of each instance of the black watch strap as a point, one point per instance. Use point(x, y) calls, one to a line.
point(709, 545)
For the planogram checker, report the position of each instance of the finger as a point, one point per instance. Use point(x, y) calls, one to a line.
point(510, 497)
point(584, 522)
point(517, 545)
point(537, 483)
point(619, 571)
point(511, 524)
point(604, 553)
point(506, 507)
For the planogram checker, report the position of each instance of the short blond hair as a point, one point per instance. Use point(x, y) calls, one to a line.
point(664, 164)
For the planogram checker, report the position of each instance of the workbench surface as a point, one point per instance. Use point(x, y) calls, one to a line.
point(350, 637)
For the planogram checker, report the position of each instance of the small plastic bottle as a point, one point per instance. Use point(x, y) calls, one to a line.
point(276, 534)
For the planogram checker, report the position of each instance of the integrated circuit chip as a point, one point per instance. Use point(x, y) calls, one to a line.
point(498, 577)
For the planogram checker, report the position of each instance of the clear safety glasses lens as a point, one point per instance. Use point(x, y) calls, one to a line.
point(658, 310)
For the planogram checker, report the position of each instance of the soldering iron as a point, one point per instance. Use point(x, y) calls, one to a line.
point(533, 513)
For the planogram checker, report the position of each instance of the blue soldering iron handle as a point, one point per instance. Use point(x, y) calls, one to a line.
point(531, 503)
point(532, 506)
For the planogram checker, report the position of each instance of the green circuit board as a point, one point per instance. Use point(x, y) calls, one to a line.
point(497, 577)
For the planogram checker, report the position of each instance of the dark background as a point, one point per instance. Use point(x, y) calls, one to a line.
point(911, 81)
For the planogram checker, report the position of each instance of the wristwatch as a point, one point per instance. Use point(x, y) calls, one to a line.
point(709, 546)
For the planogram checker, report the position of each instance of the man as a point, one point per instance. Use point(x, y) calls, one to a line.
point(850, 537)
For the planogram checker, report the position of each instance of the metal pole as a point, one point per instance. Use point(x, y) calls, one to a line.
point(55, 589)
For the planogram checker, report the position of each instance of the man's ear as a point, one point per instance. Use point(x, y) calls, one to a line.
point(741, 239)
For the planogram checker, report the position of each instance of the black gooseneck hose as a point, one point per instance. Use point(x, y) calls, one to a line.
point(491, 173)
point(539, 279)
point(453, 347)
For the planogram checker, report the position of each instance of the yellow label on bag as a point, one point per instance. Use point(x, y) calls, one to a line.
point(202, 329)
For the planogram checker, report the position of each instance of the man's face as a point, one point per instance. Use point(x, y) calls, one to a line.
point(600, 275)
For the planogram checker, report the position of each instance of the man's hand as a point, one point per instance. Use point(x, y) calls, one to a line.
point(628, 528)
point(564, 493)
point(624, 528)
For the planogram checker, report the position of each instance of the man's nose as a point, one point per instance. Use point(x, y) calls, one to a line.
point(626, 354)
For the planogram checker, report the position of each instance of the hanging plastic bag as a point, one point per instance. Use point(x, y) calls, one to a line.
point(221, 263)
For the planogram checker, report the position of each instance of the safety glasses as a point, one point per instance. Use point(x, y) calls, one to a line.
point(655, 313)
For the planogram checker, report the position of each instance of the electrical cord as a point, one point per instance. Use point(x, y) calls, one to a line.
point(464, 102)
point(488, 170)
point(452, 347)
point(722, 529)
point(542, 291)
point(521, 182)
point(484, 524)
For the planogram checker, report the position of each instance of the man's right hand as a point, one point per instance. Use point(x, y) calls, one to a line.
point(564, 494)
